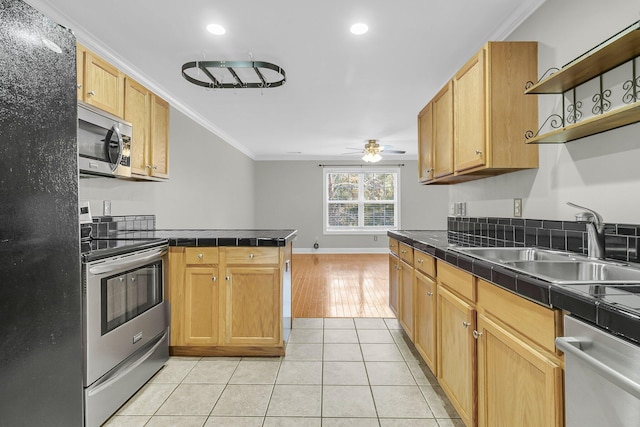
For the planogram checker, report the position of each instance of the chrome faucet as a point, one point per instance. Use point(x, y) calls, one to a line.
point(595, 231)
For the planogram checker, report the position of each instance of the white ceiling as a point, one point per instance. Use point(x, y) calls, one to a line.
point(341, 89)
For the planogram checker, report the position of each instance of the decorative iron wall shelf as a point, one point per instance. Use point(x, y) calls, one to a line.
point(260, 82)
point(621, 48)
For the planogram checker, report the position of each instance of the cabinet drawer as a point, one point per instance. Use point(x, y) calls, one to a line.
point(406, 253)
point(252, 255)
point(201, 255)
point(532, 320)
point(457, 280)
point(425, 263)
point(393, 246)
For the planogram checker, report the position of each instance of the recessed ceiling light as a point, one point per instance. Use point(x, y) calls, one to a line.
point(216, 29)
point(359, 28)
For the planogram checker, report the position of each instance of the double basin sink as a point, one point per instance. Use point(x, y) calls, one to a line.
point(563, 268)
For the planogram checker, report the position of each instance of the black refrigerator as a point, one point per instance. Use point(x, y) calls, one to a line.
point(40, 292)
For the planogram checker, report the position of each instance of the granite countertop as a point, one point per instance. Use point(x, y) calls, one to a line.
point(616, 309)
point(212, 237)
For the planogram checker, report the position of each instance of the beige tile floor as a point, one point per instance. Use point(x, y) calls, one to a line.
point(355, 372)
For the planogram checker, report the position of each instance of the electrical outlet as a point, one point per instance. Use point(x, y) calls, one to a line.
point(106, 207)
point(517, 208)
point(375, 238)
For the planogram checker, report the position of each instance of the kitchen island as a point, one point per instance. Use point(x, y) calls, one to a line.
point(229, 289)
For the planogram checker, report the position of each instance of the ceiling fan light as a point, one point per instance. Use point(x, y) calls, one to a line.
point(376, 158)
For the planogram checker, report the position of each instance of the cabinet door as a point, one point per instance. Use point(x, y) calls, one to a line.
point(201, 306)
point(103, 85)
point(470, 108)
point(394, 278)
point(425, 143)
point(406, 286)
point(443, 131)
point(425, 327)
point(517, 385)
point(80, 51)
point(457, 353)
point(159, 137)
point(136, 110)
point(253, 306)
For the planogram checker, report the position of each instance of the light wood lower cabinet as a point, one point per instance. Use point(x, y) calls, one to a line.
point(457, 353)
point(394, 279)
point(406, 285)
point(226, 301)
point(425, 326)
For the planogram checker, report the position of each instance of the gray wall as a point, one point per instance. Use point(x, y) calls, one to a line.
point(289, 194)
point(211, 184)
point(600, 171)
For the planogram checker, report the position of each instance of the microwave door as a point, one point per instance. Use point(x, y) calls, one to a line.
point(113, 147)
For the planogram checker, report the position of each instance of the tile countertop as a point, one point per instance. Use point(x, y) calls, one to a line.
point(212, 237)
point(616, 309)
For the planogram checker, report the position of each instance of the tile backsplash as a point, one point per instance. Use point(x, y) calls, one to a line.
point(108, 226)
point(622, 241)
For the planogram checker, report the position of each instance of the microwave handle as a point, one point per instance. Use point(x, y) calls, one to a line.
point(116, 130)
point(120, 264)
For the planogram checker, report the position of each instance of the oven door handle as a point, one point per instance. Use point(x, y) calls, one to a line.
point(120, 264)
point(118, 375)
point(572, 346)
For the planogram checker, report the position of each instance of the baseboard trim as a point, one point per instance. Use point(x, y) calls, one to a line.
point(340, 250)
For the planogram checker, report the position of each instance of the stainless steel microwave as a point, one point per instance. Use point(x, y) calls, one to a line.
point(104, 143)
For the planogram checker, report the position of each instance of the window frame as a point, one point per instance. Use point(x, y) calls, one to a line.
point(361, 229)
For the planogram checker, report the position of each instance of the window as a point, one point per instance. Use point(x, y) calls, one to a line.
point(361, 201)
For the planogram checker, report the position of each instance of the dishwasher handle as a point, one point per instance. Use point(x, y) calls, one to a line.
point(572, 346)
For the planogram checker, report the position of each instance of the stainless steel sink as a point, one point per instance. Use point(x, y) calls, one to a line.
point(578, 271)
point(502, 255)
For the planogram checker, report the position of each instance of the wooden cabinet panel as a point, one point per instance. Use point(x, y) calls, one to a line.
point(80, 50)
point(137, 103)
point(253, 303)
point(425, 331)
point(201, 306)
point(159, 145)
point(457, 280)
point(457, 353)
point(103, 85)
point(470, 102)
point(393, 246)
point(406, 286)
point(394, 280)
point(443, 131)
point(517, 385)
point(425, 143)
point(252, 255)
point(406, 253)
point(201, 255)
point(425, 263)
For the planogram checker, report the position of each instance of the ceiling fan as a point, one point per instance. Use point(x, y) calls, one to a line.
point(372, 151)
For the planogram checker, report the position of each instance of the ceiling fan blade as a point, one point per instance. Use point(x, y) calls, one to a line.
point(393, 151)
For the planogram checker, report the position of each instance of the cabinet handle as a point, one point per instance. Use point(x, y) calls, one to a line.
point(214, 278)
point(79, 86)
point(250, 256)
point(429, 294)
point(478, 152)
point(403, 251)
point(466, 324)
point(155, 168)
point(200, 256)
point(419, 261)
point(227, 278)
point(147, 166)
point(91, 92)
point(477, 334)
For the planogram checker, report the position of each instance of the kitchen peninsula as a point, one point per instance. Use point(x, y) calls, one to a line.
point(229, 290)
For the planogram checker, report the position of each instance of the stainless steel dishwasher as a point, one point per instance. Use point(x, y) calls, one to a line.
point(602, 377)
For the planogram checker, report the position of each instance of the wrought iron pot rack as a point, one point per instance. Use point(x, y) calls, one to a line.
point(237, 82)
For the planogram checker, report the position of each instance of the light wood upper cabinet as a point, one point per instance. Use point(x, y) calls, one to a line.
point(480, 117)
point(102, 84)
point(443, 131)
point(149, 115)
point(425, 143)
point(137, 108)
point(159, 137)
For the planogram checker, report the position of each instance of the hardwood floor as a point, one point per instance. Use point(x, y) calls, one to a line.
point(340, 285)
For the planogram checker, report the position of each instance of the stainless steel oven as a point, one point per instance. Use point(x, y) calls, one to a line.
point(126, 327)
